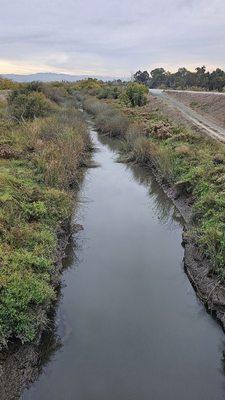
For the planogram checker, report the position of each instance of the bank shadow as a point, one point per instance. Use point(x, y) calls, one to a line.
point(22, 364)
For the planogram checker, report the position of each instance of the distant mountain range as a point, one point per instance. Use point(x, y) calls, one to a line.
point(51, 77)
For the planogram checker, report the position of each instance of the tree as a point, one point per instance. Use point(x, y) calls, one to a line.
point(183, 79)
point(202, 78)
point(142, 77)
point(217, 80)
point(158, 77)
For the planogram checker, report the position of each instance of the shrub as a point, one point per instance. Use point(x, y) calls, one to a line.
point(60, 144)
point(7, 84)
point(144, 151)
point(109, 92)
point(94, 106)
point(28, 106)
point(135, 94)
point(160, 130)
point(112, 122)
point(56, 94)
point(90, 85)
point(108, 119)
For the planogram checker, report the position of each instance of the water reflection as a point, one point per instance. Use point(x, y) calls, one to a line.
point(163, 206)
point(112, 346)
point(22, 365)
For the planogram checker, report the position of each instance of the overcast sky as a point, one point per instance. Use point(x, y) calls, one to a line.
point(110, 37)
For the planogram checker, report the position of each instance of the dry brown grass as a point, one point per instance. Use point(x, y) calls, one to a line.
point(144, 151)
point(183, 149)
point(108, 119)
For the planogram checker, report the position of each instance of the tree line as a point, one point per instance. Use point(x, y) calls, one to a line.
point(183, 79)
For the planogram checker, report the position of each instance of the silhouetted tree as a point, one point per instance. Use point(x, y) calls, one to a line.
point(158, 77)
point(142, 77)
point(183, 79)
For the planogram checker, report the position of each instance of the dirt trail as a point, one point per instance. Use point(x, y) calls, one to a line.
point(202, 122)
point(195, 92)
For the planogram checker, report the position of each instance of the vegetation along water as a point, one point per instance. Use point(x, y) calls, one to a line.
point(129, 323)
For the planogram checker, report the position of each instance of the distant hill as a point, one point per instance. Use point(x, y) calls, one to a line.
point(51, 77)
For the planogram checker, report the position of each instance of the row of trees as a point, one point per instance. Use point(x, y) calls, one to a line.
point(183, 79)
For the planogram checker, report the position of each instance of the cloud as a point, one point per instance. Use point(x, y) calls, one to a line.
point(110, 37)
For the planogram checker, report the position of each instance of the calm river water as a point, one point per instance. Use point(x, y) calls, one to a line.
point(129, 324)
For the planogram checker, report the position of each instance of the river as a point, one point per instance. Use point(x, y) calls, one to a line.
point(128, 323)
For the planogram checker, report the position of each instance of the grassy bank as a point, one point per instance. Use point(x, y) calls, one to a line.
point(40, 160)
point(189, 162)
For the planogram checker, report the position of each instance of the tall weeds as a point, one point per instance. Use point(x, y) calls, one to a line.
point(40, 161)
point(108, 119)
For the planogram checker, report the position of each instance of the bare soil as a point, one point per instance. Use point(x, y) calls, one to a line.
point(209, 105)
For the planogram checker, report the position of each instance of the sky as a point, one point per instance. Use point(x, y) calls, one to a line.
point(110, 37)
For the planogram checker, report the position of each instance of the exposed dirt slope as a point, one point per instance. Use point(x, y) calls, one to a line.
point(210, 105)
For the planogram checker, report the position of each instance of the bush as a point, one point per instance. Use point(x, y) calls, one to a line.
point(90, 85)
point(108, 119)
point(56, 94)
point(94, 106)
point(7, 84)
point(28, 106)
point(112, 122)
point(135, 95)
point(59, 143)
point(109, 92)
point(143, 151)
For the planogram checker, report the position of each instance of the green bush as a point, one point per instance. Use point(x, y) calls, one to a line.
point(135, 95)
point(8, 84)
point(108, 119)
point(31, 105)
point(109, 92)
